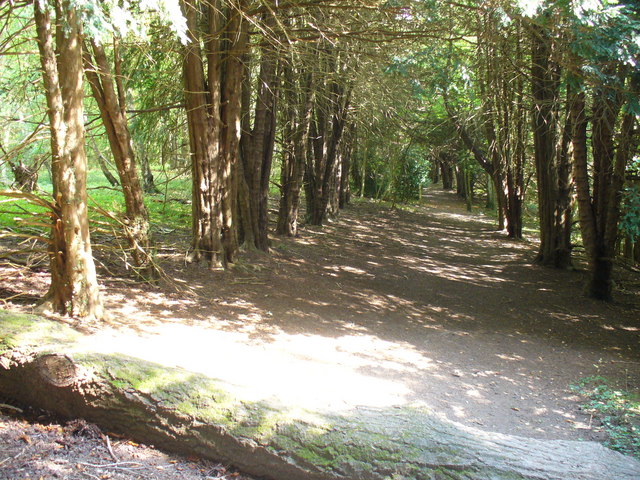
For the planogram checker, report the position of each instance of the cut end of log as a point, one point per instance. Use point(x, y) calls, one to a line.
point(56, 370)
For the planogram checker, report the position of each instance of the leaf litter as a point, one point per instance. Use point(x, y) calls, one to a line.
point(45, 448)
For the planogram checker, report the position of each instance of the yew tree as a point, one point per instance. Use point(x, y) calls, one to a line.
point(298, 98)
point(62, 26)
point(604, 110)
point(551, 137)
point(108, 91)
point(258, 135)
point(74, 286)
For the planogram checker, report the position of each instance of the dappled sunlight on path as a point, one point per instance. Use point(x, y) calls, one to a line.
point(310, 371)
point(425, 306)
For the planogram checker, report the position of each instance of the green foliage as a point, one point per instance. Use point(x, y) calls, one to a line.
point(22, 103)
point(630, 219)
point(410, 174)
point(617, 409)
point(103, 18)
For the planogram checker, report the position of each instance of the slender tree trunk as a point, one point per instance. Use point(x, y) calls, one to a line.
point(460, 182)
point(468, 189)
point(234, 44)
point(102, 162)
point(296, 151)
point(446, 171)
point(345, 178)
point(491, 193)
point(545, 88)
point(607, 183)
point(600, 265)
point(318, 158)
point(564, 203)
point(434, 172)
point(501, 199)
point(74, 287)
point(258, 144)
point(327, 129)
point(112, 110)
point(338, 122)
point(502, 89)
point(203, 123)
point(333, 204)
point(517, 156)
point(581, 173)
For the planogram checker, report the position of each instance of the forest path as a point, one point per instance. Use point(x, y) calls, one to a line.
point(384, 307)
point(426, 305)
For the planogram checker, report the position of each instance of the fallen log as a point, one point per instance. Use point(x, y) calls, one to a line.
point(47, 364)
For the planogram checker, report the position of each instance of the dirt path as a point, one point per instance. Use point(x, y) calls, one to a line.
point(386, 307)
point(392, 307)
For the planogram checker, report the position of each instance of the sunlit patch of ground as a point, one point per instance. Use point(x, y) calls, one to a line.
point(299, 370)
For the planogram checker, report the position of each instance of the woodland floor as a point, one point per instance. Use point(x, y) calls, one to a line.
point(426, 305)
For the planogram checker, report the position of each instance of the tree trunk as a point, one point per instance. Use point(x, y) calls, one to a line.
point(191, 413)
point(434, 170)
point(461, 184)
point(581, 175)
point(204, 124)
point(446, 172)
point(148, 182)
point(258, 144)
point(468, 189)
point(112, 110)
point(214, 116)
point(234, 45)
point(74, 286)
point(564, 202)
point(299, 108)
point(599, 285)
point(545, 85)
point(102, 162)
point(345, 177)
point(501, 88)
point(327, 128)
point(599, 207)
point(491, 194)
point(333, 204)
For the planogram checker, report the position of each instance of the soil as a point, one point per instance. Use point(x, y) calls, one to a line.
point(427, 305)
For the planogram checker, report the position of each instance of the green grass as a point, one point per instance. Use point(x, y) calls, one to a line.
point(168, 210)
point(617, 409)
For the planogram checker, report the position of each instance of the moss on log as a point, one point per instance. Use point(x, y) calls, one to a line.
point(43, 363)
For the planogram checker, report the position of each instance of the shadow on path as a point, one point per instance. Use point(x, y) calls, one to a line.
point(425, 306)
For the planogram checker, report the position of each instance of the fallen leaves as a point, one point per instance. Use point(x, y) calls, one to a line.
point(80, 451)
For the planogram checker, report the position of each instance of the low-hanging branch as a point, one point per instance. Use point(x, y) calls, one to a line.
point(159, 108)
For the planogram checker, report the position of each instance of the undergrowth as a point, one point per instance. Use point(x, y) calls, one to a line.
point(168, 210)
point(617, 409)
